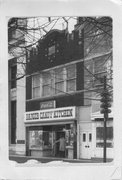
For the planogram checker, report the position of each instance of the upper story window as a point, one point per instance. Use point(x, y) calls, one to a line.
point(100, 70)
point(11, 34)
point(56, 81)
point(59, 80)
point(13, 76)
point(71, 78)
point(36, 86)
point(46, 83)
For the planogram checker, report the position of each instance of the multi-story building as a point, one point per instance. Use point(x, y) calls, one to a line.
point(16, 39)
point(99, 63)
point(63, 92)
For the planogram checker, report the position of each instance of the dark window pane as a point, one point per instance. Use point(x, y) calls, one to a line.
point(84, 137)
point(90, 137)
point(13, 122)
point(100, 133)
point(13, 76)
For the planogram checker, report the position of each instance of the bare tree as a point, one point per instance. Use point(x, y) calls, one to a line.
point(25, 33)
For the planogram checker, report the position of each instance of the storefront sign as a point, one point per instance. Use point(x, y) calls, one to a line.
point(47, 105)
point(52, 114)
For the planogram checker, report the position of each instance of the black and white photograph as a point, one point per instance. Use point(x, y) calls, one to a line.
point(61, 89)
point(60, 111)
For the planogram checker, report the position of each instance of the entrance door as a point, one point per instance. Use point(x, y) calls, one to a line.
point(85, 145)
point(58, 134)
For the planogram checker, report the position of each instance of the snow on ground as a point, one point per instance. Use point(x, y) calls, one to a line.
point(33, 162)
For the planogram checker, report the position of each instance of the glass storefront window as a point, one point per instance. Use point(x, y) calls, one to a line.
point(100, 137)
point(45, 142)
point(40, 139)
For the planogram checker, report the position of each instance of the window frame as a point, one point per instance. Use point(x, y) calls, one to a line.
point(53, 80)
point(35, 87)
point(58, 81)
point(109, 141)
point(48, 84)
point(69, 79)
point(13, 76)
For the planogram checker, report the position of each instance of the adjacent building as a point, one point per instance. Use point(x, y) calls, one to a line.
point(16, 77)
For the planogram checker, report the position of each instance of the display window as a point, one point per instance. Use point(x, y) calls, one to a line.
point(46, 141)
point(40, 139)
point(100, 137)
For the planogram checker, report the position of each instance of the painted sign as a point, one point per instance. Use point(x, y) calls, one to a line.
point(47, 105)
point(52, 114)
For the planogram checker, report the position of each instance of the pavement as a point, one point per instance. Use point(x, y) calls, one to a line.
point(24, 159)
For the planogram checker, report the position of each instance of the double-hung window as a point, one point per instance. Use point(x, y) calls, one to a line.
point(36, 86)
point(99, 70)
point(47, 83)
point(59, 80)
point(56, 81)
point(71, 78)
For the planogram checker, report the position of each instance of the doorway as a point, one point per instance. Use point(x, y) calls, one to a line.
point(58, 134)
point(85, 144)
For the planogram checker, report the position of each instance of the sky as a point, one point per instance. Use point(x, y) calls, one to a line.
point(45, 24)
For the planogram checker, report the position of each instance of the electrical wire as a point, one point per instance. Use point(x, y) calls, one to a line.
point(92, 49)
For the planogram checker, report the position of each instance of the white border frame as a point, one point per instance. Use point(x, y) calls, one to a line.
point(113, 8)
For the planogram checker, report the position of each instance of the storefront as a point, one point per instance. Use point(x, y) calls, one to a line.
point(44, 128)
point(98, 135)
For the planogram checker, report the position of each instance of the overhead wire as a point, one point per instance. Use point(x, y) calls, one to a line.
point(84, 66)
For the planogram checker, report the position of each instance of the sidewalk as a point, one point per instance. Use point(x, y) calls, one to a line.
point(23, 159)
point(17, 153)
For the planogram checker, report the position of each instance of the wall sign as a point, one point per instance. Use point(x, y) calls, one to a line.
point(52, 114)
point(47, 105)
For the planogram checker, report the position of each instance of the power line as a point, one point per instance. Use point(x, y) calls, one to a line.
point(86, 55)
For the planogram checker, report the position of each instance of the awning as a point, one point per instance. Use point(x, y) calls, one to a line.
point(98, 115)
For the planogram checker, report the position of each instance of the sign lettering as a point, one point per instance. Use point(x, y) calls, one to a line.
point(52, 114)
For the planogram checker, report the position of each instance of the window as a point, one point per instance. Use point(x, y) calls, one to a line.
point(40, 139)
point(84, 137)
point(99, 70)
point(71, 78)
point(59, 80)
point(13, 76)
point(55, 81)
point(90, 137)
point(11, 33)
point(98, 80)
point(13, 122)
point(36, 86)
point(47, 84)
point(100, 136)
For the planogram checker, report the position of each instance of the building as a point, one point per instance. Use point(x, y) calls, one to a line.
point(63, 89)
point(58, 91)
point(62, 83)
point(16, 59)
point(99, 63)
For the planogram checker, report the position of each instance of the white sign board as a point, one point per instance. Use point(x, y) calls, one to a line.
point(51, 114)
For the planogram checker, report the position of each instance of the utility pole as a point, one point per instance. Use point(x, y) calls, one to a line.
point(105, 129)
point(105, 110)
